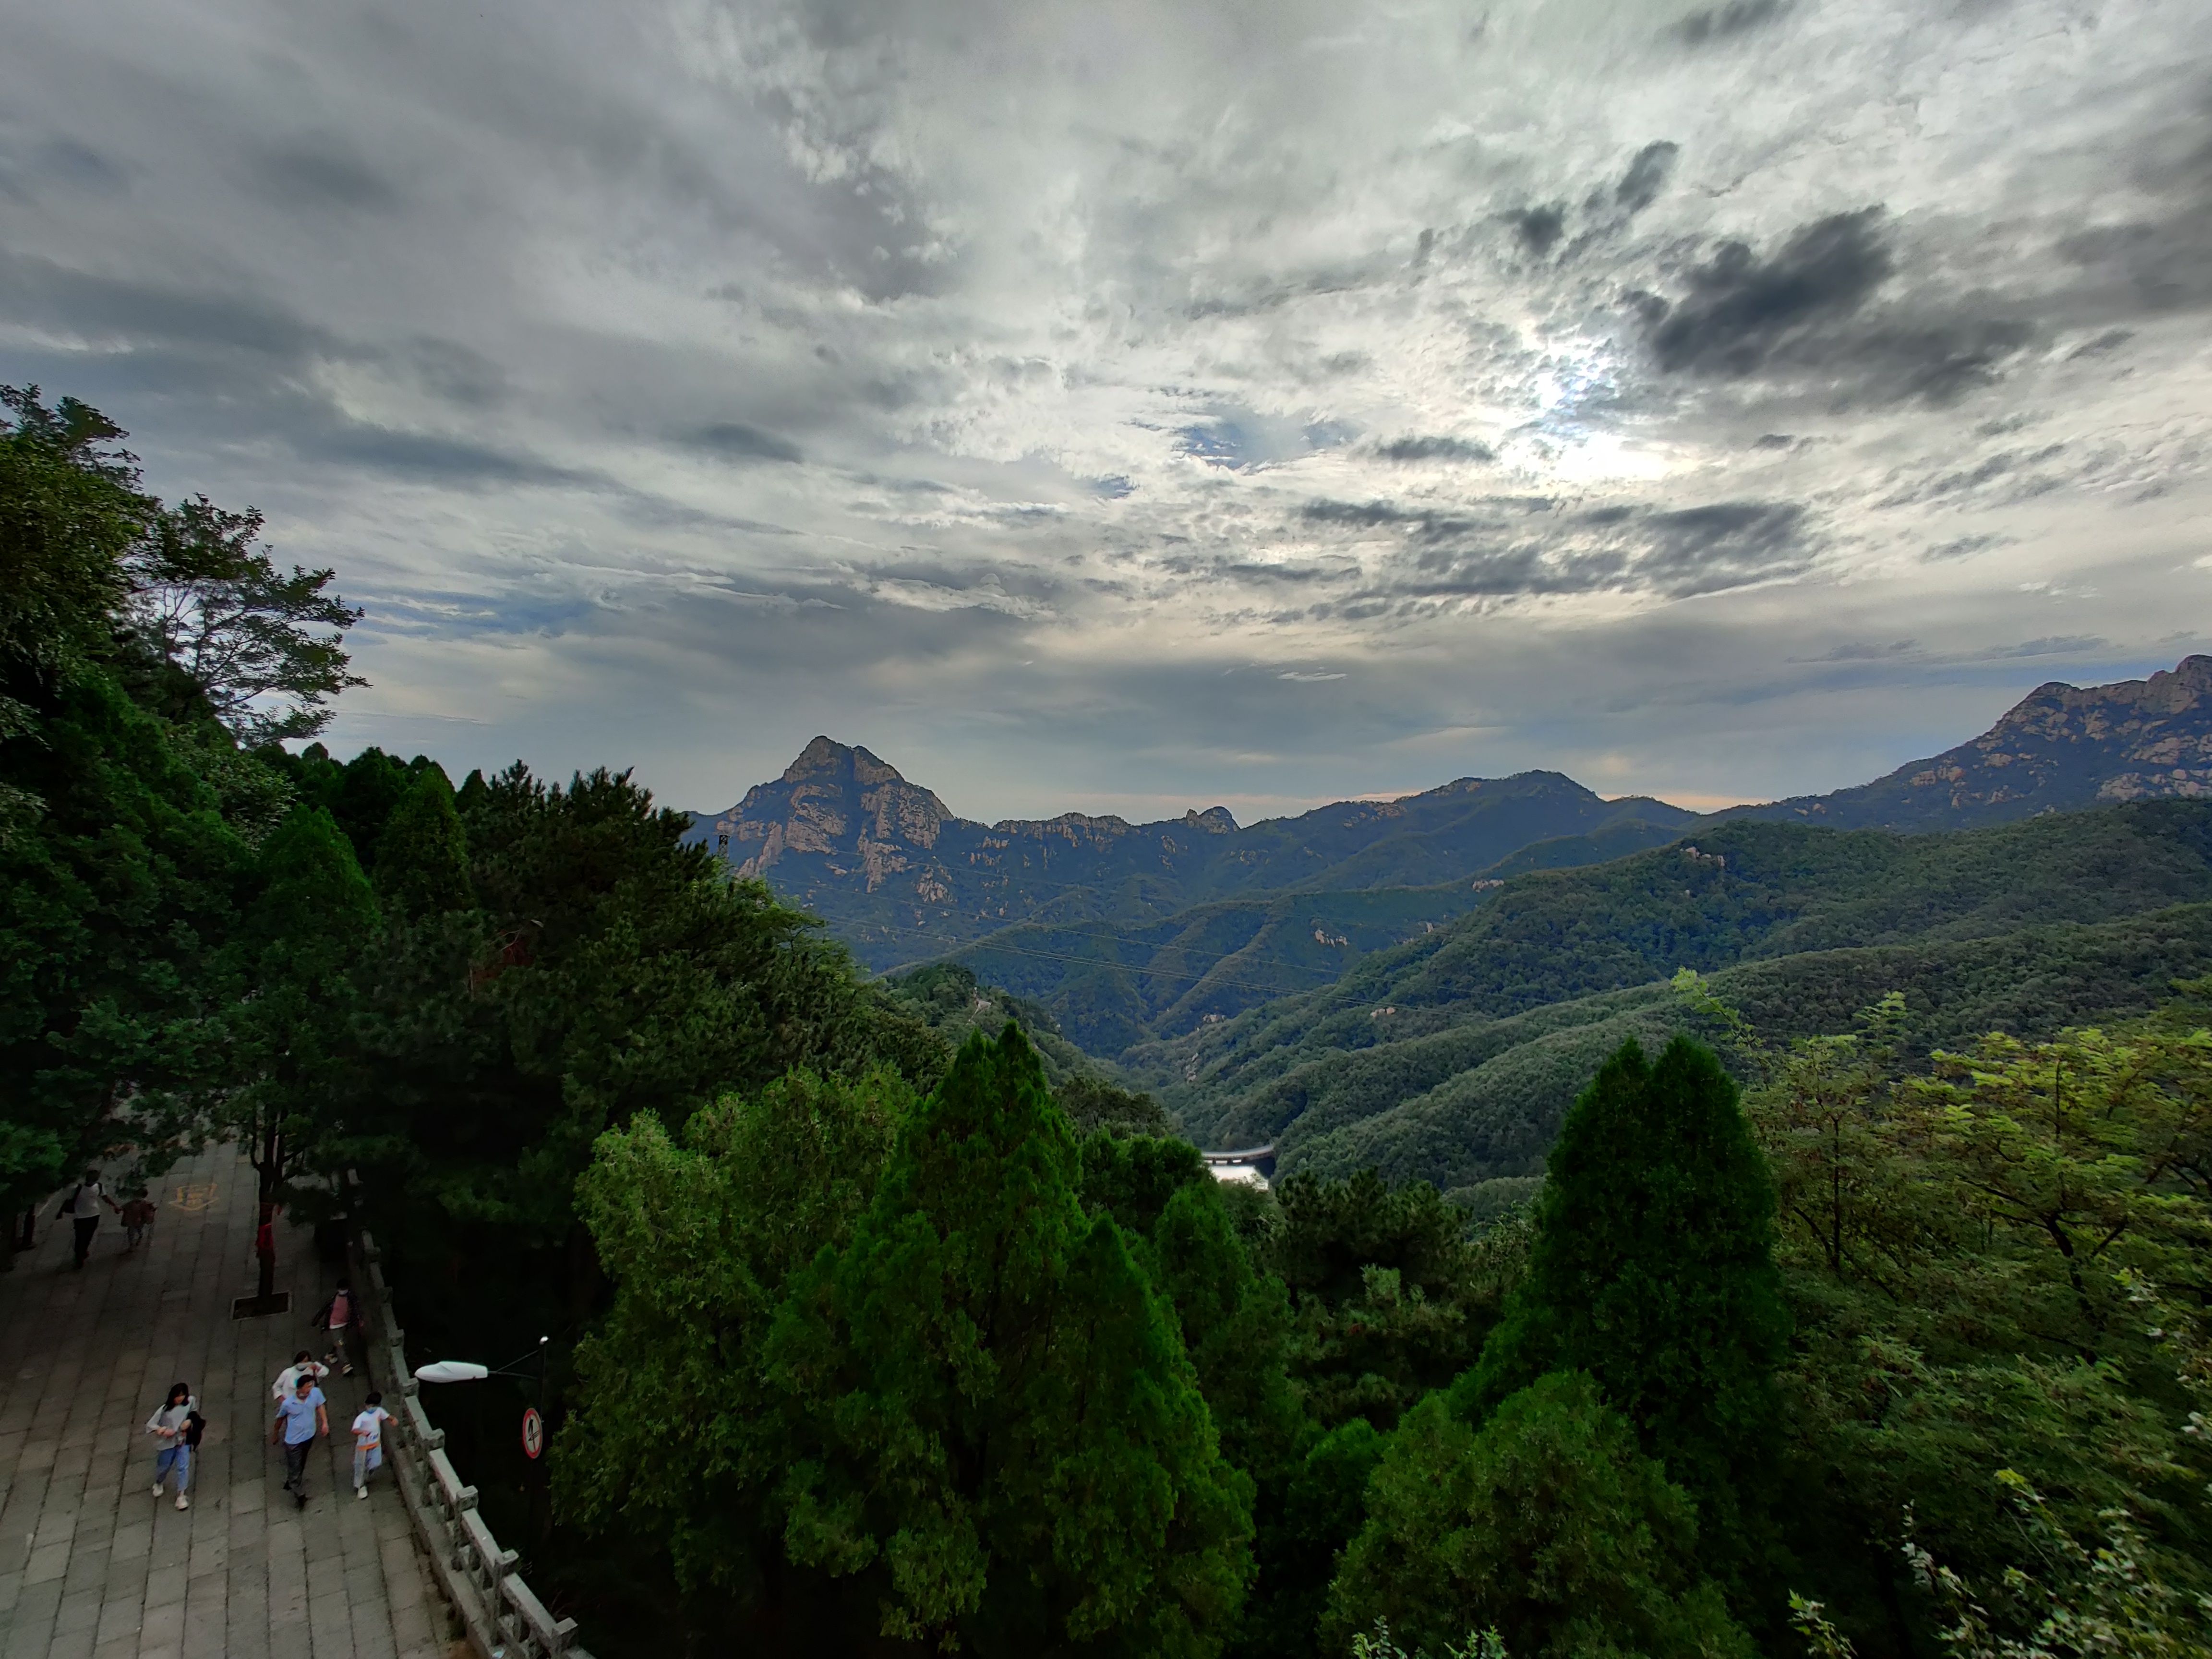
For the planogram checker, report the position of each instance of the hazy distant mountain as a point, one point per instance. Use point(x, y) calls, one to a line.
point(901, 878)
point(2060, 749)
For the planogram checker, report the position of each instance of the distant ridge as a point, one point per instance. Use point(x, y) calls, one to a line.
point(2060, 749)
point(902, 878)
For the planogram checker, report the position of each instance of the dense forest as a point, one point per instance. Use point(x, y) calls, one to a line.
point(1454, 1057)
point(1856, 1303)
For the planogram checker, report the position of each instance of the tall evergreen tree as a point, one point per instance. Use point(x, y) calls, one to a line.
point(1653, 1270)
point(1012, 1445)
point(298, 946)
point(423, 856)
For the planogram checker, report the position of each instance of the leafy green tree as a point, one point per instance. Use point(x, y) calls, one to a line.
point(70, 513)
point(1652, 1269)
point(1091, 1103)
point(1305, 1518)
point(297, 949)
point(1133, 1177)
point(422, 855)
point(2078, 1153)
point(607, 970)
point(2087, 1599)
point(1388, 1301)
point(1236, 1327)
point(678, 1439)
point(115, 901)
point(1547, 1524)
point(230, 631)
point(362, 797)
point(1010, 1445)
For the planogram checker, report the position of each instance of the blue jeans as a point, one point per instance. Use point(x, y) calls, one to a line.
point(179, 1457)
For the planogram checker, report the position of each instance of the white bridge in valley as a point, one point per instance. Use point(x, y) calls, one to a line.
point(1250, 1166)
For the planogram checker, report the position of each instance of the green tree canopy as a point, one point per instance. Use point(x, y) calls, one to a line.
point(1652, 1269)
point(422, 855)
point(294, 1054)
point(679, 1439)
point(1548, 1523)
point(1010, 1443)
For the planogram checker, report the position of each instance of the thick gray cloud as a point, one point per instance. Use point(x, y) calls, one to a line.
point(1161, 404)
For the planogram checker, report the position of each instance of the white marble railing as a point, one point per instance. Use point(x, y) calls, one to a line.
point(505, 1618)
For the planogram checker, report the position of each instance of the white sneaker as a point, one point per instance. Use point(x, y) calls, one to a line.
point(362, 1492)
point(183, 1502)
point(157, 1489)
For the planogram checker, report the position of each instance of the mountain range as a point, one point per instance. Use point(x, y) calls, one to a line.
point(1134, 933)
point(1453, 1056)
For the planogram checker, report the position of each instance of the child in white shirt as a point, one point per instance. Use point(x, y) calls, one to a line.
point(369, 1443)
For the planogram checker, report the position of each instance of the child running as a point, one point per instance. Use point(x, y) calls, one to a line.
point(170, 1426)
point(369, 1441)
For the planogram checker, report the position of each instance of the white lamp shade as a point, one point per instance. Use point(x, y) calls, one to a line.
point(451, 1370)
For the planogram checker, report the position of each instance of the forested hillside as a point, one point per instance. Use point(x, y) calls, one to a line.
point(1440, 1014)
point(1112, 986)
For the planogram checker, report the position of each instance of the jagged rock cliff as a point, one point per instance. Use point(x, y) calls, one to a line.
point(843, 805)
point(2059, 749)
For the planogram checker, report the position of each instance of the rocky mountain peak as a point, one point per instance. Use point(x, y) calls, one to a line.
point(1214, 821)
point(2058, 749)
point(825, 757)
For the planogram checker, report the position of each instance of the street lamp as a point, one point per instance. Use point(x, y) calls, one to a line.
point(467, 1370)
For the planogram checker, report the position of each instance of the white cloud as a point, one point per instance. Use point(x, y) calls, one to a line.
point(986, 376)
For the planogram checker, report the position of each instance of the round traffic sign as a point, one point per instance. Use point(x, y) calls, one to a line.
point(533, 1432)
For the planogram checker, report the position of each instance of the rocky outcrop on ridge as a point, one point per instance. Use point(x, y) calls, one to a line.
point(2059, 749)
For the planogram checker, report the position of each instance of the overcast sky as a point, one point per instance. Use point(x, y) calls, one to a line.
point(1128, 406)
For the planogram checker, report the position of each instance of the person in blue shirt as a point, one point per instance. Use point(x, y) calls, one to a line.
point(300, 1419)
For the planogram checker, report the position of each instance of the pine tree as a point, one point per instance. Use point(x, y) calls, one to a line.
point(1653, 1270)
point(1011, 1442)
point(423, 856)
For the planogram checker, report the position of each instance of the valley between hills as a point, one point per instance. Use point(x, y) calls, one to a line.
point(1422, 985)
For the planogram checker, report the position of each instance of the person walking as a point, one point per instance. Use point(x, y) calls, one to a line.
point(369, 1441)
point(171, 1425)
point(299, 1420)
point(337, 1318)
point(83, 1206)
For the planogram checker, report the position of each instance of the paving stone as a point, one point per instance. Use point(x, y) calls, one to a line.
point(79, 1611)
point(91, 1566)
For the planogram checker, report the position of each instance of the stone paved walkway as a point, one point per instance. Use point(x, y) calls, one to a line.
point(90, 1562)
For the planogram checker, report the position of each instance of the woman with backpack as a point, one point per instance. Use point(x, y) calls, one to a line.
point(175, 1427)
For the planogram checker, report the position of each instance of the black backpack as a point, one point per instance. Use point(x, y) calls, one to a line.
point(195, 1427)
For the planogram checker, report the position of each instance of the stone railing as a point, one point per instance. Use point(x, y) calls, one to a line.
point(505, 1618)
